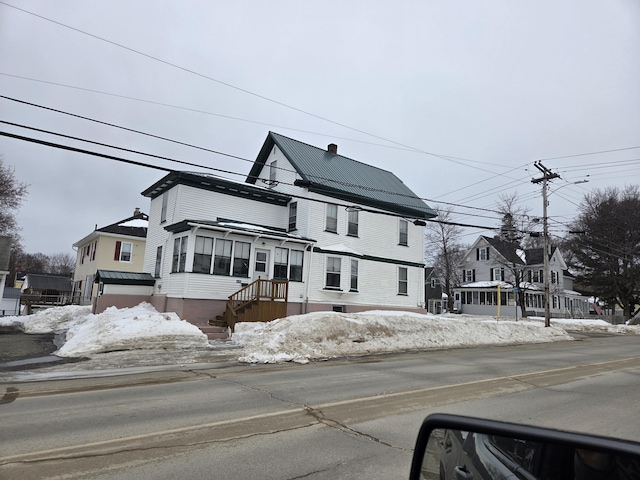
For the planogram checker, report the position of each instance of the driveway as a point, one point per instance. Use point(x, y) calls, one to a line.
point(21, 351)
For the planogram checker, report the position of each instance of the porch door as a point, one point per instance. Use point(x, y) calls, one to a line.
point(261, 264)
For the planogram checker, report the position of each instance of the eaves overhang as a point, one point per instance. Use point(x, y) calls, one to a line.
point(395, 208)
point(216, 184)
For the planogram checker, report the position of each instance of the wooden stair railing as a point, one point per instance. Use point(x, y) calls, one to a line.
point(260, 301)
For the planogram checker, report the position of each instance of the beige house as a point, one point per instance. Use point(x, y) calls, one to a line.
point(119, 246)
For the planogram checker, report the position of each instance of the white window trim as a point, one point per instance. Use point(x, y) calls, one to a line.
point(406, 269)
point(122, 244)
point(400, 223)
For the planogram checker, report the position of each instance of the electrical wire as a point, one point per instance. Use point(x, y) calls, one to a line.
point(142, 164)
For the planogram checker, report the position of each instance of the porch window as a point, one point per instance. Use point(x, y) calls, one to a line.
point(331, 224)
point(403, 235)
point(222, 257)
point(179, 254)
point(203, 254)
point(353, 286)
point(280, 263)
point(158, 262)
point(293, 214)
point(403, 281)
point(241, 259)
point(352, 223)
point(333, 273)
point(295, 268)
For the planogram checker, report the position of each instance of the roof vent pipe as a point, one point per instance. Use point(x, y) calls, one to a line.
point(332, 148)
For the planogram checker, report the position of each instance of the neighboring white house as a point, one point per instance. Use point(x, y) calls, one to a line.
point(493, 267)
point(347, 236)
point(119, 247)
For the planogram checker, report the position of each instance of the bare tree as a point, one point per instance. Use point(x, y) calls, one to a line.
point(517, 225)
point(517, 235)
point(12, 193)
point(62, 264)
point(444, 251)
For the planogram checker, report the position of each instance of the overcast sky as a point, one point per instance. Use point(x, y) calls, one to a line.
point(488, 86)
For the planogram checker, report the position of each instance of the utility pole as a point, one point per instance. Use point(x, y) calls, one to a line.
point(546, 176)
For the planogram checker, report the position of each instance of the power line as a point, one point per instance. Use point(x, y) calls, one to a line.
point(588, 153)
point(229, 85)
point(230, 117)
point(204, 149)
point(156, 167)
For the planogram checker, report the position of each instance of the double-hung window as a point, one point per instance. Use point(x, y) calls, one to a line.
point(280, 263)
point(482, 253)
point(158, 268)
point(331, 224)
point(333, 273)
point(203, 253)
point(179, 254)
point(353, 285)
point(293, 215)
point(222, 257)
point(352, 223)
point(295, 265)
point(241, 254)
point(165, 203)
point(123, 251)
point(403, 236)
point(469, 275)
point(403, 281)
point(273, 166)
point(497, 274)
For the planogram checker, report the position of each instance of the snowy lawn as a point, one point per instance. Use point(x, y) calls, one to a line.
point(299, 338)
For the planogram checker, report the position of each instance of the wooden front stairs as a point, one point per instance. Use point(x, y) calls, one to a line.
point(260, 301)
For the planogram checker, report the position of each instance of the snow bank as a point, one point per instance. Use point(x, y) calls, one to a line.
point(136, 328)
point(323, 335)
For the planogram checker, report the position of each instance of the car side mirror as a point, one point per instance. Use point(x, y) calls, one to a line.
point(453, 447)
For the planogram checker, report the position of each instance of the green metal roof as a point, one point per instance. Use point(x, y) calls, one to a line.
point(115, 277)
point(343, 178)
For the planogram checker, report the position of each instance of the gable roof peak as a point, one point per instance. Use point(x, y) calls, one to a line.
point(334, 175)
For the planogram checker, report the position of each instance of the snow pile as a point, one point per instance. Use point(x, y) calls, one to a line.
point(323, 335)
point(141, 327)
point(50, 320)
point(299, 338)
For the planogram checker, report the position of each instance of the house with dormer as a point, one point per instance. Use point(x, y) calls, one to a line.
point(324, 230)
point(497, 273)
point(119, 246)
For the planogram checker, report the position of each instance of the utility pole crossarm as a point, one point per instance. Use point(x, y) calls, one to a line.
point(546, 176)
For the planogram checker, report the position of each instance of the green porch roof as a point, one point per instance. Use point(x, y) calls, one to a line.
point(114, 277)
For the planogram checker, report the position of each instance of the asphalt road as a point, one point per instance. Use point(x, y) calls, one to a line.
point(346, 418)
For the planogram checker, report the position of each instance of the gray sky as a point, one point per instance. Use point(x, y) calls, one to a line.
point(495, 84)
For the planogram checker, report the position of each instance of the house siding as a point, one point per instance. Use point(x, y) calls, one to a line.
point(104, 258)
point(198, 296)
point(567, 304)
